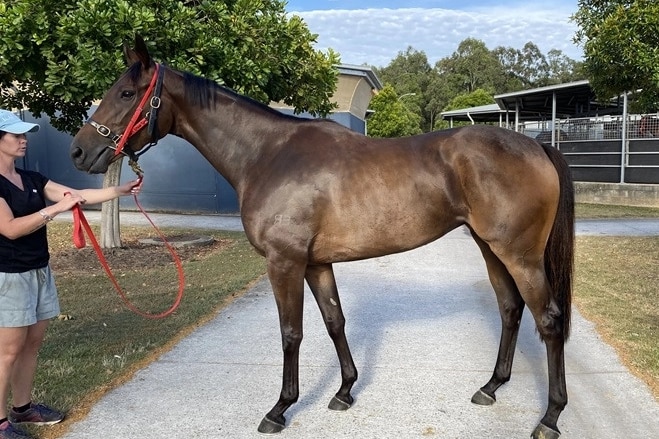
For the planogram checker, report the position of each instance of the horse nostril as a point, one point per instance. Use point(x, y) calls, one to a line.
point(76, 153)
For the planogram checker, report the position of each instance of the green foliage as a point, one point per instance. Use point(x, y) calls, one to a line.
point(57, 57)
point(530, 68)
point(410, 74)
point(621, 46)
point(391, 118)
point(467, 100)
point(472, 67)
point(474, 99)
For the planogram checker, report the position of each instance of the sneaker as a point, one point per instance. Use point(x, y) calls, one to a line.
point(37, 414)
point(8, 431)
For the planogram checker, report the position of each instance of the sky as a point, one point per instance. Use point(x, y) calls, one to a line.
point(375, 31)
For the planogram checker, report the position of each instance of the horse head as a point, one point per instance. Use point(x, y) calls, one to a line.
point(131, 115)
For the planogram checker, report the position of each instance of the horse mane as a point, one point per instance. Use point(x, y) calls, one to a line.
point(204, 93)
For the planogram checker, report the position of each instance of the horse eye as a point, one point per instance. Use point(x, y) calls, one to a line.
point(127, 94)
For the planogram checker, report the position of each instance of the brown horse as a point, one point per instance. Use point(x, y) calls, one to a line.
point(313, 193)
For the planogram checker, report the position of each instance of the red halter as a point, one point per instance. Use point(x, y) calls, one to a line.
point(135, 125)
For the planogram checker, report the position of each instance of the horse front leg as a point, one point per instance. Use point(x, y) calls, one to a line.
point(323, 286)
point(287, 280)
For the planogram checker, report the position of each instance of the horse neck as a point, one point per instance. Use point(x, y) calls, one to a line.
point(233, 134)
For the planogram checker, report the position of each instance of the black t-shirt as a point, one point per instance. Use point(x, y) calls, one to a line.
point(30, 251)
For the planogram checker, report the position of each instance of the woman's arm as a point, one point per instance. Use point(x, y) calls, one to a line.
point(14, 228)
point(64, 198)
point(55, 192)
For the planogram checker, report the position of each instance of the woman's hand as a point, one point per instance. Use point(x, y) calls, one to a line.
point(132, 187)
point(69, 200)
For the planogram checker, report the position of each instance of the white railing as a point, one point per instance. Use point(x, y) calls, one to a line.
point(591, 143)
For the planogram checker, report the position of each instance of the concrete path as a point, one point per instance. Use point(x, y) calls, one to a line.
point(423, 328)
point(628, 227)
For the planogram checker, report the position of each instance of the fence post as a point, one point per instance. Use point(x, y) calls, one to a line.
point(553, 120)
point(623, 152)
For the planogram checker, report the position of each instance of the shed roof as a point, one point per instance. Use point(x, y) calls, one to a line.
point(573, 99)
point(482, 113)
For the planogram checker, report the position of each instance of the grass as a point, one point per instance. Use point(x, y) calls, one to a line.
point(595, 211)
point(99, 344)
point(103, 343)
point(616, 281)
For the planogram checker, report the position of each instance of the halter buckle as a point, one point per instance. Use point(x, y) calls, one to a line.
point(103, 130)
point(155, 102)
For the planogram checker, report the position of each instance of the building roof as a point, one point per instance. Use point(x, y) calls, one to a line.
point(483, 113)
point(355, 87)
point(364, 71)
point(573, 99)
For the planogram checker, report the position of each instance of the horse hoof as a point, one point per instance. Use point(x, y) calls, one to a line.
point(268, 426)
point(339, 404)
point(544, 432)
point(482, 398)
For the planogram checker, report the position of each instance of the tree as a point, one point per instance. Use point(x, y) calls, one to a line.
point(58, 56)
point(620, 40)
point(391, 118)
point(563, 69)
point(530, 68)
point(410, 74)
point(470, 67)
point(476, 98)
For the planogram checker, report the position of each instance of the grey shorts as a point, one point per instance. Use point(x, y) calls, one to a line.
point(26, 298)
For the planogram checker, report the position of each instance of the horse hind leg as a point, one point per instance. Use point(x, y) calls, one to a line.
point(537, 294)
point(511, 307)
point(323, 286)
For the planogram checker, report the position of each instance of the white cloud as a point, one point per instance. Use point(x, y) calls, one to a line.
point(375, 36)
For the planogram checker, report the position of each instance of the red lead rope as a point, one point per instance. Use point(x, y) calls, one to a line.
point(80, 223)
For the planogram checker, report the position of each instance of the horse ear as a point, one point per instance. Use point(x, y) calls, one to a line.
point(140, 53)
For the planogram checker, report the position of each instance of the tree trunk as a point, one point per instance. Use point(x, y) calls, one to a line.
point(110, 230)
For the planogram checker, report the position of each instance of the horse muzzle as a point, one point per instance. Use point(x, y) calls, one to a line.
point(92, 160)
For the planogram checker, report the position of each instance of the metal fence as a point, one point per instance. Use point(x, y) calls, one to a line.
point(608, 149)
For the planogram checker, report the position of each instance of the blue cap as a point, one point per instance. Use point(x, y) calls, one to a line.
point(11, 123)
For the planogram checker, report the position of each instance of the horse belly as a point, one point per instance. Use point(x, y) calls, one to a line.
point(358, 234)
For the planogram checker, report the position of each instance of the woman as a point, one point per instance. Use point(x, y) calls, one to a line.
point(28, 297)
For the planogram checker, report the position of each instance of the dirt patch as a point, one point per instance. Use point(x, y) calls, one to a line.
point(133, 255)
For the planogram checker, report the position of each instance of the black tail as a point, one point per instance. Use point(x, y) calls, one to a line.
point(559, 253)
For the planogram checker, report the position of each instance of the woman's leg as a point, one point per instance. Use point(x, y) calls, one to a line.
point(12, 344)
point(25, 365)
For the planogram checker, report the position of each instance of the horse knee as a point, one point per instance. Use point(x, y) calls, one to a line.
point(335, 327)
point(291, 340)
point(511, 315)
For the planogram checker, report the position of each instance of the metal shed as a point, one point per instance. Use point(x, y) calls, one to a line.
point(601, 141)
